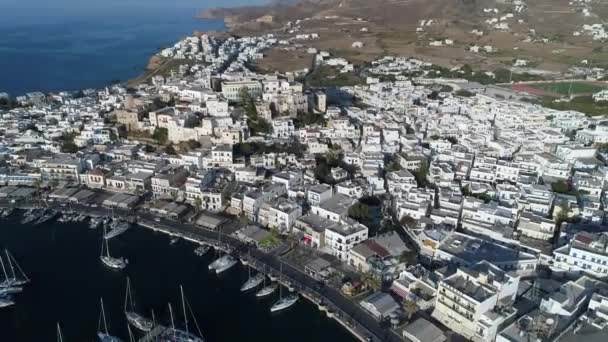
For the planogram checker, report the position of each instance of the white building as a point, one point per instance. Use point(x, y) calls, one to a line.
point(586, 253)
point(476, 301)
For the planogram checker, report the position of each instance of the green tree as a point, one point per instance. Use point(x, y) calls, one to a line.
point(560, 187)
point(563, 215)
point(169, 149)
point(198, 204)
point(464, 93)
point(421, 174)
point(410, 308)
point(360, 212)
point(160, 135)
point(371, 281)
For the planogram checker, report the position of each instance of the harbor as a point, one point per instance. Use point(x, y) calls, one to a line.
point(196, 238)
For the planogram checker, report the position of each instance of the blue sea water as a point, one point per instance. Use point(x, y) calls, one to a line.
point(53, 45)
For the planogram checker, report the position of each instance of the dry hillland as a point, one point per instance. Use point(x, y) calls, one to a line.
point(547, 34)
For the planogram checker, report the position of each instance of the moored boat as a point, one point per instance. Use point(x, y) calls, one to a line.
point(222, 264)
point(136, 320)
point(202, 250)
point(253, 282)
point(117, 228)
point(266, 290)
point(108, 260)
point(284, 303)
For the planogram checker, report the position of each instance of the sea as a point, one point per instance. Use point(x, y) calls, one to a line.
point(55, 45)
point(68, 282)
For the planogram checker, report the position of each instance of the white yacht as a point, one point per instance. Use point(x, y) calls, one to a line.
point(174, 334)
point(104, 336)
point(114, 263)
point(138, 321)
point(222, 264)
point(284, 303)
point(108, 260)
point(266, 290)
point(253, 282)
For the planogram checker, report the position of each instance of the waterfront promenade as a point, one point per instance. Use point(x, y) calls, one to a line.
point(345, 311)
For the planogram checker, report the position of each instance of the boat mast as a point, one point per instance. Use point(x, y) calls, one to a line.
point(3, 268)
point(181, 289)
point(128, 295)
point(108, 249)
point(103, 317)
point(153, 318)
point(10, 264)
point(19, 268)
point(131, 338)
point(172, 322)
point(59, 336)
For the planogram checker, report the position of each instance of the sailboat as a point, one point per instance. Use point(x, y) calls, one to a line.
point(284, 302)
point(252, 282)
point(135, 319)
point(13, 281)
point(177, 335)
point(115, 263)
point(5, 287)
point(104, 336)
point(118, 227)
point(266, 290)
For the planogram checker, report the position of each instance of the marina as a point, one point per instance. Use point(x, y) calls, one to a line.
point(152, 291)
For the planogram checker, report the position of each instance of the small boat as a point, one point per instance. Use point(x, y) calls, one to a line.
point(6, 301)
point(136, 320)
point(174, 240)
point(222, 264)
point(117, 228)
point(94, 223)
point(115, 263)
point(7, 212)
point(202, 250)
point(104, 336)
point(284, 303)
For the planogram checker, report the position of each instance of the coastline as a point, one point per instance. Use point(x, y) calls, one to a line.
point(326, 299)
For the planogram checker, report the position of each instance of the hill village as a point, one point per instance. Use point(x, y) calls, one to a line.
point(440, 206)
